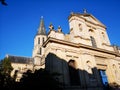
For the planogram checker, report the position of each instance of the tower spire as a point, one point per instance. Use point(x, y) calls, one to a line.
point(41, 29)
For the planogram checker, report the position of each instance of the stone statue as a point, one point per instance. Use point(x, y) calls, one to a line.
point(51, 27)
point(59, 29)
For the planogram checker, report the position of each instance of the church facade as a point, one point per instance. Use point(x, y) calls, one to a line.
point(84, 57)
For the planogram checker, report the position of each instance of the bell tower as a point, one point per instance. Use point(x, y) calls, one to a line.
point(39, 39)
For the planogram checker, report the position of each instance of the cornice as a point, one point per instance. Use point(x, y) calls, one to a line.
point(78, 45)
point(82, 37)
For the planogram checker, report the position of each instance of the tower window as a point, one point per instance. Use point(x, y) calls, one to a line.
point(43, 39)
point(38, 40)
point(93, 41)
point(40, 51)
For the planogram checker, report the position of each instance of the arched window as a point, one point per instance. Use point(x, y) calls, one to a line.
point(38, 40)
point(93, 41)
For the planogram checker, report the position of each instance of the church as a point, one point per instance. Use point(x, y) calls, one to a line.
point(84, 57)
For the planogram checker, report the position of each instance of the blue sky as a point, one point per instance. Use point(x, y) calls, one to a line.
point(20, 19)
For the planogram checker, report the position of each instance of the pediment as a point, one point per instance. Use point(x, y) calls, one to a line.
point(92, 19)
point(88, 18)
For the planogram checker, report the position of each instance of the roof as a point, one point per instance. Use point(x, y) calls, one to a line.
point(41, 29)
point(20, 59)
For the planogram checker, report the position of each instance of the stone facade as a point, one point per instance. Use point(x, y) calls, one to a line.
point(20, 65)
point(84, 58)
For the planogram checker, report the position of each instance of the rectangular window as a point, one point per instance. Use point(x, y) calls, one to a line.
point(93, 42)
point(38, 40)
point(43, 39)
point(40, 51)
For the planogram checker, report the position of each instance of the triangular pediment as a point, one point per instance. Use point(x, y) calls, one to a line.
point(88, 18)
point(92, 19)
